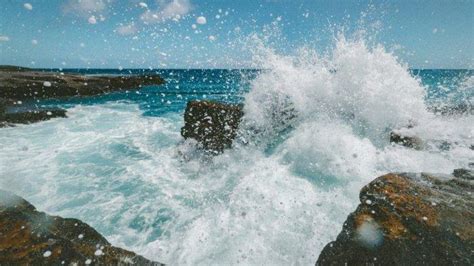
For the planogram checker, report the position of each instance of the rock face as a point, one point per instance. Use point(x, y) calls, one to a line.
point(20, 84)
point(407, 141)
point(8, 119)
point(409, 219)
point(213, 125)
point(450, 110)
point(29, 237)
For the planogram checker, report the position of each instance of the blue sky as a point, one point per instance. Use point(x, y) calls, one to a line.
point(174, 33)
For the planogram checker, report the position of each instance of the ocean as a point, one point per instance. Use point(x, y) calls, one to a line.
point(119, 163)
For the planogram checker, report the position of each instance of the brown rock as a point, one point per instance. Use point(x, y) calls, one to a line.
point(214, 125)
point(20, 83)
point(408, 219)
point(29, 237)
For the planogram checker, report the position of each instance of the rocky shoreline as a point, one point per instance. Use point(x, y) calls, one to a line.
point(403, 218)
point(409, 219)
point(30, 237)
point(18, 84)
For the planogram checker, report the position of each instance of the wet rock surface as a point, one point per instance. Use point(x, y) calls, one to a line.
point(20, 84)
point(409, 219)
point(407, 141)
point(451, 110)
point(29, 237)
point(214, 125)
point(31, 116)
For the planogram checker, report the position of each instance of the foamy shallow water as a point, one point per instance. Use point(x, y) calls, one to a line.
point(277, 199)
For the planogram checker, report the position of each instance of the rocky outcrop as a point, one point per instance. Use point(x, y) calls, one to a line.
point(407, 141)
point(465, 108)
point(31, 116)
point(409, 219)
point(21, 83)
point(214, 125)
point(29, 237)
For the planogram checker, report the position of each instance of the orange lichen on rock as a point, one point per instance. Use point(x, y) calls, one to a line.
point(405, 197)
point(427, 218)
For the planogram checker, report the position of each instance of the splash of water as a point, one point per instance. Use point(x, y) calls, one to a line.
point(316, 130)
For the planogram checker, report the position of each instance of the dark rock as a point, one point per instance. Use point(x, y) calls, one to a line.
point(407, 141)
point(464, 174)
point(22, 84)
point(29, 237)
point(408, 219)
point(3, 107)
point(450, 110)
point(31, 116)
point(13, 68)
point(214, 125)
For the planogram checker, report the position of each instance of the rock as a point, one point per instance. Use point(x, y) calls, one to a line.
point(29, 237)
point(464, 174)
point(407, 141)
point(20, 84)
point(3, 107)
point(31, 116)
point(214, 125)
point(465, 108)
point(408, 219)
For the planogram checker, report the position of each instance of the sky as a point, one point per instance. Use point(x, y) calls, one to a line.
point(214, 34)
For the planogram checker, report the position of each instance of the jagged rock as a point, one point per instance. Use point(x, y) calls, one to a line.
point(20, 83)
point(407, 141)
point(29, 237)
point(31, 116)
point(464, 174)
point(465, 108)
point(408, 219)
point(214, 125)
point(3, 107)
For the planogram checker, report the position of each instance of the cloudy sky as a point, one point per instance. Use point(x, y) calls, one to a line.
point(213, 34)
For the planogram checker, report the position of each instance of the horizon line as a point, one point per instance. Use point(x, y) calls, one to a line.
point(182, 68)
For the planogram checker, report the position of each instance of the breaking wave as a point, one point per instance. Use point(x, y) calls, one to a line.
point(316, 129)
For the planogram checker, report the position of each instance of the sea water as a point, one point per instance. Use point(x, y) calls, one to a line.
point(316, 129)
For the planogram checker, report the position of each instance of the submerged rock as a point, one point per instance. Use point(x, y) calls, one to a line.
point(32, 116)
point(465, 108)
point(407, 141)
point(409, 219)
point(29, 237)
point(214, 125)
point(20, 83)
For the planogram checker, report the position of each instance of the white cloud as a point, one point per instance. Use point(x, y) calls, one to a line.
point(4, 38)
point(127, 29)
point(28, 6)
point(170, 9)
point(34, 42)
point(86, 8)
point(142, 4)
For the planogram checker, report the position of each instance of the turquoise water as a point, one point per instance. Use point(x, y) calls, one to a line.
point(279, 195)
